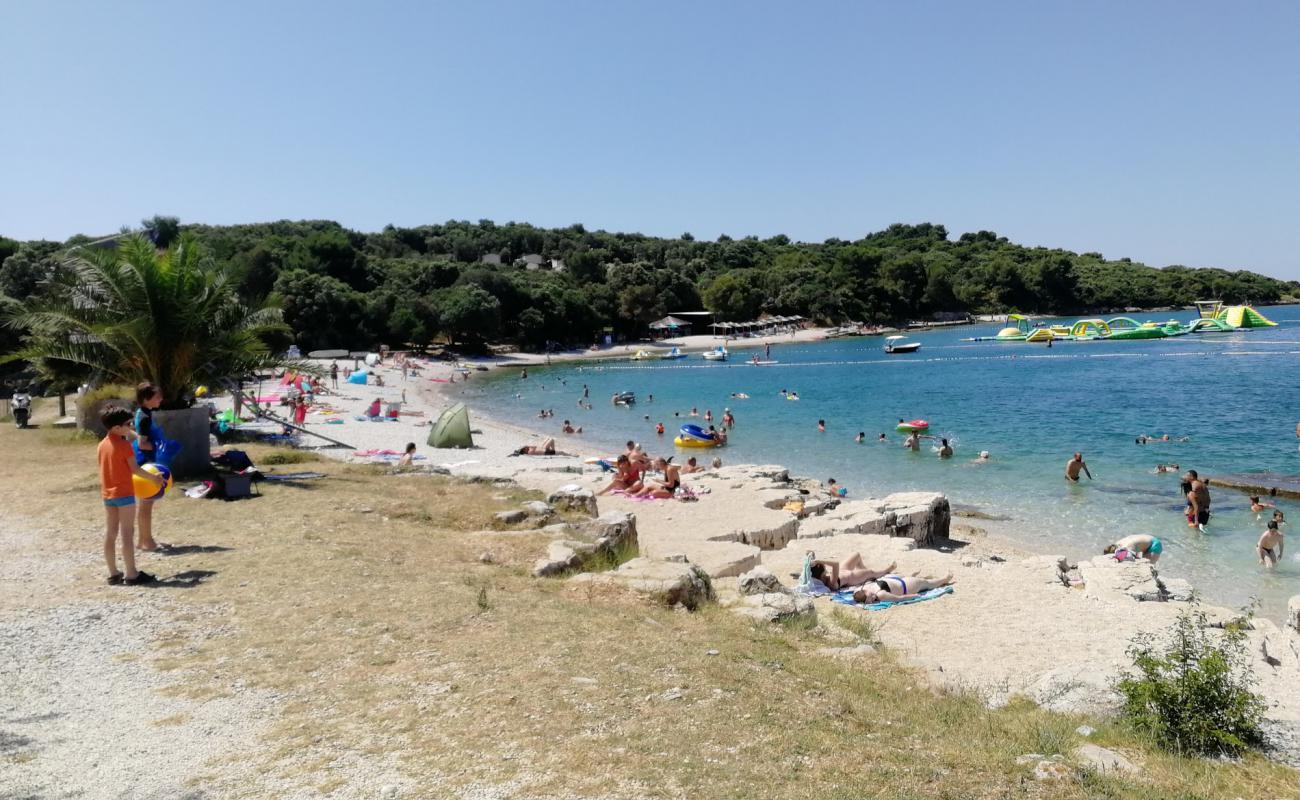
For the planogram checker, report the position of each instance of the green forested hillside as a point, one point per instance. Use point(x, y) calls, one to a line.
point(349, 289)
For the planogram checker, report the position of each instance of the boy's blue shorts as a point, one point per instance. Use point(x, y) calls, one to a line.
point(118, 502)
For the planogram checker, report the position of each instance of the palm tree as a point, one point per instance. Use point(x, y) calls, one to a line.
point(136, 313)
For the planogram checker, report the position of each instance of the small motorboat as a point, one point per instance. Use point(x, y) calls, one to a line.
point(895, 344)
point(625, 399)
point(674, 353)
point(717, 354)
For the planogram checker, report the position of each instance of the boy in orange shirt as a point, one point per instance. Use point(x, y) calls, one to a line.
point(116, 468)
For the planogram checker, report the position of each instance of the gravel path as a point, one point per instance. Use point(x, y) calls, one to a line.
point(82, 713)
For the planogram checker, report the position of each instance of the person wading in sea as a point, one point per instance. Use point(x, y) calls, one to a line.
point(1199, 494)
point(1073, 466)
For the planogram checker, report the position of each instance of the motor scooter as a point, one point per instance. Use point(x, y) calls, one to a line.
point(21, 406)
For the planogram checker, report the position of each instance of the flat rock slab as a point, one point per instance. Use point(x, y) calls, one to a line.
point(572, 497)
point(848, 518)
point(670, 583)
point(1103, 759)
point(1111, 581)
point(717, 559)
point(760, 580)
point(560, 557)
point(776, 607)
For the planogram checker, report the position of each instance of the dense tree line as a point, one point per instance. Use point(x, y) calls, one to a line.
point(343, 288)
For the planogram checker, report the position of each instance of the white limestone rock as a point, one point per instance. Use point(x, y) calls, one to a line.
point(572, 497)
point(670, 583)
point(777, 607)
point(760, 580)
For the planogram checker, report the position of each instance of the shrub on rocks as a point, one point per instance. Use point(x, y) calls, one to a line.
point(1194, 696)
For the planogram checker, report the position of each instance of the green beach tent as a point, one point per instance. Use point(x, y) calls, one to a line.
point(452, 428)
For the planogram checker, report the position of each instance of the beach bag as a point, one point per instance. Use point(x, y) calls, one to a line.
point(234, 460)
point(234, 487)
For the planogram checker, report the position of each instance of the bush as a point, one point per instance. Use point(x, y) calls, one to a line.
point(92, 403)
point(1194, 697)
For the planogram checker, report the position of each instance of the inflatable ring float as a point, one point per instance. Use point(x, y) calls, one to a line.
point(913, 426)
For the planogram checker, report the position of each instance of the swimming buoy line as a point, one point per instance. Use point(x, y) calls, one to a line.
point(1004, 357)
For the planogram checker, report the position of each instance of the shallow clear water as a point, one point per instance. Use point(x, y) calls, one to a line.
point(1030, 406)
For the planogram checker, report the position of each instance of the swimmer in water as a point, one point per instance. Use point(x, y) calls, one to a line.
point(860, 437)
point(1074, 466)
point(882, 438)
point(945, 449)
point(1258, 507)
point(1279, 517)
point(981, 458)
point(821, 426)
point(1163, 468)
point(1270, 546)
point(913, 441)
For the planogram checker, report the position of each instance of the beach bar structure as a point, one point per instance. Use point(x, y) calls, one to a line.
point(670, 326)
point(758, 327)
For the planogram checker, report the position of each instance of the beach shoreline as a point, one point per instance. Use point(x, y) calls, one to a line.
point(1061, 626)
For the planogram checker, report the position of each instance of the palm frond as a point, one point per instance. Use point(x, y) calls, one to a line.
point(135, 313)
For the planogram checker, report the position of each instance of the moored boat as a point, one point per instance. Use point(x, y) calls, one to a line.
point(895, 344)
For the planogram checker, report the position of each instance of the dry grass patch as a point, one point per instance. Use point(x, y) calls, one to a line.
point(362, 600)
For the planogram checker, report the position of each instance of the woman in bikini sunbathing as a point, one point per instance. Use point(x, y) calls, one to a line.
point(546, 448)
point(852, 571)
point(664, 489)
point(893, 588)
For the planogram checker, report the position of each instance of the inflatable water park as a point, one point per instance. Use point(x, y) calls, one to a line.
point(1214, 318)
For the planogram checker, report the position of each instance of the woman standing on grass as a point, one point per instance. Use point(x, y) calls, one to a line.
point(148, 440)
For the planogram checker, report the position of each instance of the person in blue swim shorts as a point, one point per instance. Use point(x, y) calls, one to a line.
point(1140, 544)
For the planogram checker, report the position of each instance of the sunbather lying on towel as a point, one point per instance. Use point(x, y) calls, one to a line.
point(850, 572)
point(892, 588)
point(546, 448)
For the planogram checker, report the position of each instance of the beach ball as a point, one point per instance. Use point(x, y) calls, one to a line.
point(146, 490)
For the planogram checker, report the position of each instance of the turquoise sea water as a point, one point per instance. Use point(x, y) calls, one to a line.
point(1030, 406)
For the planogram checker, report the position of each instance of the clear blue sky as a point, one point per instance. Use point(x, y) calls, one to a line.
point(1165, 131)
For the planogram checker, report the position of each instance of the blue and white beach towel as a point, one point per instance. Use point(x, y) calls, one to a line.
point(845, 597)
